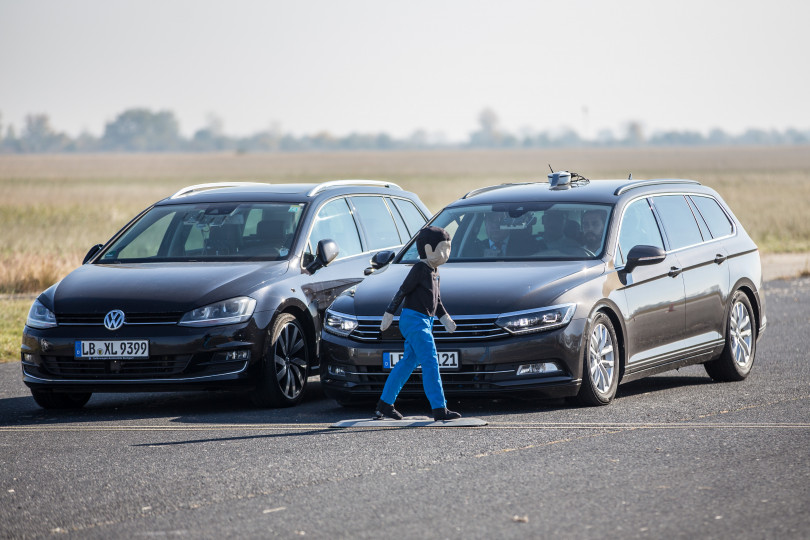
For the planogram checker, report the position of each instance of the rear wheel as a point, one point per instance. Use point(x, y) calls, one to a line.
point(60, 400)
point(737, 358)
point(600, 377)
point(285, 365)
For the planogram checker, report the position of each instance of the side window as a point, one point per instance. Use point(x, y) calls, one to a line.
point(678, 221)
point(335, 221)
point(717, 220)
point(413, 217)
point(381, 232)
point(404, 236)
point(638, 228)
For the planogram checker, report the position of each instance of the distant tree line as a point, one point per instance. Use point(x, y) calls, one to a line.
point(143, 130)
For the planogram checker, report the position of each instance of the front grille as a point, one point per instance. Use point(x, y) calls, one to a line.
point(156, 366)
point(467, 329)
point(97, 319)
point(474, 377)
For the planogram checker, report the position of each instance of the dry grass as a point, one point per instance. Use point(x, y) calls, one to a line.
point(12, 318)
point(53, 208)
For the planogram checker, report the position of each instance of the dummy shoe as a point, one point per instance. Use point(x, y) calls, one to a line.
point(444, 413)
point(386, 410)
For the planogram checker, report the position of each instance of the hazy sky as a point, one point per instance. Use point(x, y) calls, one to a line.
point(372, 66)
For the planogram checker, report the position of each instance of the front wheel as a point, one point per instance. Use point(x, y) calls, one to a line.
point(60, 400)
point(737, 358)
point(600, 377)
point(284, 366)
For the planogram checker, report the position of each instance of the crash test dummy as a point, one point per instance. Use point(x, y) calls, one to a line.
point(422, 303)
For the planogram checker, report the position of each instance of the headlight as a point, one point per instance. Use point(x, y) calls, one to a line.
point(231, 311)
point(537, 320)
point(339, 323)
point(40, 317)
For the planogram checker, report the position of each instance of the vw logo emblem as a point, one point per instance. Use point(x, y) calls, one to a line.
point(114, 319)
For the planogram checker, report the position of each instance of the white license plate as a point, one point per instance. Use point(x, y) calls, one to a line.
point(447, 359)
point(102, 350)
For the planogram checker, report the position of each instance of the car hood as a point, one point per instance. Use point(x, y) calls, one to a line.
point(481, 288)
point(158, 287)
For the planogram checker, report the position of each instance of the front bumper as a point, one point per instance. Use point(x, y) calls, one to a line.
point(353, 370)
point(180, 358)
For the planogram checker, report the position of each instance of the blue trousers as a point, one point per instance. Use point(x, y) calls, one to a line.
point(420, 349)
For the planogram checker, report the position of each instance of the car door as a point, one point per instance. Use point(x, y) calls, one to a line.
point(705, 274)
point(654, 294)
point(335, 221)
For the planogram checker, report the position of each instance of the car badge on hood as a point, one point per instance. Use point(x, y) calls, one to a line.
point(114, 319)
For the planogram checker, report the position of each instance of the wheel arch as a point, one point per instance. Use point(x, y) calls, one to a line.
point(308, 324)
point(612, 313)
point(747, 288)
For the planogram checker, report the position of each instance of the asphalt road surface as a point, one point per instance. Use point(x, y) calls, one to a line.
point(675, 456)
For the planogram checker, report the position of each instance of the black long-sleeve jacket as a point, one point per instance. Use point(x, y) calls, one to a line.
point(420, 290)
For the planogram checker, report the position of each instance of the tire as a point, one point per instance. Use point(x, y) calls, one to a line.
point(285, 365)
point(600, 363)
point(737, 358)
point(60, 400)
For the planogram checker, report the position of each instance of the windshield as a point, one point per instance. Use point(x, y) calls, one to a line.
point(209, 232)
point(522, 231)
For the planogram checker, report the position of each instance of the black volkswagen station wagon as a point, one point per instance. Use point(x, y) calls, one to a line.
point(565, 289)
point(220, 286)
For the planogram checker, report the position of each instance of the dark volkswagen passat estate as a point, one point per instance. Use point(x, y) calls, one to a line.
point(220, 286)
point(566, 288)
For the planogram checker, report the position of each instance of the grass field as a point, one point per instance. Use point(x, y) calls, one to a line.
point(54, 207)
point(12, 319)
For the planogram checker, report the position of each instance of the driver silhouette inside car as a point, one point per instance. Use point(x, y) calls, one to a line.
point(593, 227)
point(505, 237)
point(554, 232)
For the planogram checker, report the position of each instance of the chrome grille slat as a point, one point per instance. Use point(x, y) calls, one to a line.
point(97, 319)
point(467, 329)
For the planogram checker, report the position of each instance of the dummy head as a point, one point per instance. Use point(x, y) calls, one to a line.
point(433, 245)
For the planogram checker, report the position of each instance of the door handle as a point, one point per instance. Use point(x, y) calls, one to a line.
point(674, 271)
point(719, 258)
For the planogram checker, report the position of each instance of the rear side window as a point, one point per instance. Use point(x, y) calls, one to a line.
point(638, 228)
point(335, 222)
point(717, 220)
point(413, 217)
point(403, 229)
point(381, 232)
point(679, 222)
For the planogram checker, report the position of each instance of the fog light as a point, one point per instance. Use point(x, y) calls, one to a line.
point(543, 368)
point(336, 371)
point(235, 356)
point(29, 358)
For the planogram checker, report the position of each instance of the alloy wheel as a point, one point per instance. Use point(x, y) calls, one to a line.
point(601, 358)
point(741, 334)
point(290, 360)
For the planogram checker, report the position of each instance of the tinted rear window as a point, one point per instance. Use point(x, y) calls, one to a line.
point(381, 232)
point(679, 223)
point(411, 214)
point(717, 220)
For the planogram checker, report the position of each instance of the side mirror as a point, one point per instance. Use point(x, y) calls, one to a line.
point(644, 256)
point(92, 252)
point(327, 250)
point(380, 259)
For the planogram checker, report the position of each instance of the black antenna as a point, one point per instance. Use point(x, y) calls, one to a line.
point(630, 177)
point(549, 166)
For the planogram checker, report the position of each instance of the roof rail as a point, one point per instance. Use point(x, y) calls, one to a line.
point(214, 185)
point(478, 191)
point(642, 183)
point(337, 183)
